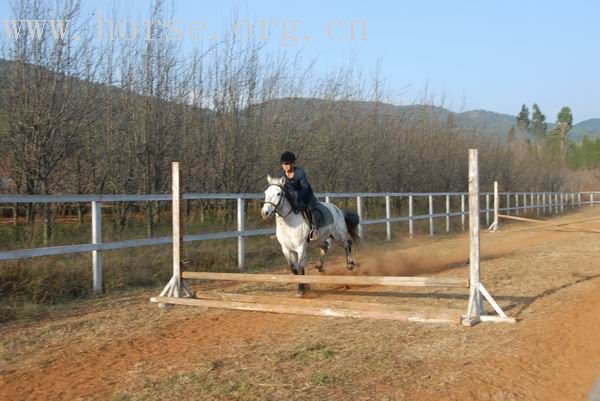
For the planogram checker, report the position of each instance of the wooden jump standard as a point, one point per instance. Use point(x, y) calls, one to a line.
point(178, 291)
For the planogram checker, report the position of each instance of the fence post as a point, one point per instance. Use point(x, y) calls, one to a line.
point(579, 199)
point(556, 203)
point(447, 213)
point(508, 203)
point(517, 203)
point(241, 212)
point(475, 306)
point(97, 239)
point(411, 228)
point(496, 206)
point(431, 215)
point(592, 199)
point(388, 215)
point(327, 200)
point(531, 201)
point(360, 214)
point(462, 211)
point(562, 202)
point(524, 203)
point(544, 203)
point(487, 210)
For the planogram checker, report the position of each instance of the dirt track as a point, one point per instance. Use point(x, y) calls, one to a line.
point(125, 348)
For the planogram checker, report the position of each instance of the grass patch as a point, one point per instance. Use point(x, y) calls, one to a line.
point(306, 354)
point(320, 379)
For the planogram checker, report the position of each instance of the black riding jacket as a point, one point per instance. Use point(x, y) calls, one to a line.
point(299, 188)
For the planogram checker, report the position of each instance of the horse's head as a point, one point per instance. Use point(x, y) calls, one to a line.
point(274, 196)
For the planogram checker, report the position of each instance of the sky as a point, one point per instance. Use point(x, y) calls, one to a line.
point(486, 54)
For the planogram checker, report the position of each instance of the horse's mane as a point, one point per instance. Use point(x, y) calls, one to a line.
point(291, 200)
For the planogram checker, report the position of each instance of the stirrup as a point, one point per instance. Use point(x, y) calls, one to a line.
point(313, 235)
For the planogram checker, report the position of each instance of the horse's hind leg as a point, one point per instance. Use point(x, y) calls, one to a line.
point(350, 265)
point(324, 248)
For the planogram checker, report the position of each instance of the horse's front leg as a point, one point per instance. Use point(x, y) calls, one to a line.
point(302, 253)
point(289, 257)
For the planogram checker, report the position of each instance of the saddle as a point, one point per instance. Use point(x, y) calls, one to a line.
point(318, 217)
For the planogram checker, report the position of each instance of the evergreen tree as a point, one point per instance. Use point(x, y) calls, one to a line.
point(523, 123)
point(564, 123)
point(538, 123)
point(587, 152)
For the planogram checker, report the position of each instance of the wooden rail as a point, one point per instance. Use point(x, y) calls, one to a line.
point(315, 307)
point(396, 281)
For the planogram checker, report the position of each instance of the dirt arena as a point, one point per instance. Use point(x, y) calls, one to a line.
point(121, 347)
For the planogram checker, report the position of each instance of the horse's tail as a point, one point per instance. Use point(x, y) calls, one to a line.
point(352, 221)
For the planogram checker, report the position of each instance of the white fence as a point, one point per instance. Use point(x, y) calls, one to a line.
point(541, 202)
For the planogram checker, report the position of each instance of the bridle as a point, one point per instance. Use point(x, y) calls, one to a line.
point(276, 206)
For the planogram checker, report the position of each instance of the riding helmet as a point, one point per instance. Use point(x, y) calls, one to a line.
point(288, 157)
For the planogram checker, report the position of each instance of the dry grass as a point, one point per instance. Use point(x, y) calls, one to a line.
point(192, 353)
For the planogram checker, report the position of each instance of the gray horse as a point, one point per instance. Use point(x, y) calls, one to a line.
point(292, 230)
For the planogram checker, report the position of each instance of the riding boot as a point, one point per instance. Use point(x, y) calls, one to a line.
point(314, 224)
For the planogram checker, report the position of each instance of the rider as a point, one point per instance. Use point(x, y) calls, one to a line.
point(301, 193)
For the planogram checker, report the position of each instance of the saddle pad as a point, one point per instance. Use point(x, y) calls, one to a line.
point(326, 215)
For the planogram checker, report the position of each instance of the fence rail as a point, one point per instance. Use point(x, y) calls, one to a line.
point(542, 202)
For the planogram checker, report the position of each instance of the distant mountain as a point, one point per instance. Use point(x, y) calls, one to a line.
point(485, 121)
point(590, 127)
point(301, 110)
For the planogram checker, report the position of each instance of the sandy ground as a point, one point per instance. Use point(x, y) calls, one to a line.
point(120, 347)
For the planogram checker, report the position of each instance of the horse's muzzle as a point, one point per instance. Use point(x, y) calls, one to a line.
point(265, 214)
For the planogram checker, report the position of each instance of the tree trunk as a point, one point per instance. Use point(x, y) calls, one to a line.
point(149, 220)
point(47, 223)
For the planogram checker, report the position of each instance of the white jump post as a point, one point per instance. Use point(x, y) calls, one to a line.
point(176, 287)
point(462, 211)
point(411, 224)
point(359, 211)
point(388, 215)
point(447, 213)
point(241, 216)
point(494, 226)
point(97, 239)
point(431, 215)
point(475, 311)
point(487, 209)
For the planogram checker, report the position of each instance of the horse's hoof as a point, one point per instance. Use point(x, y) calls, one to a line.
point(300, 294)
point(350, 266)
point(319, 267)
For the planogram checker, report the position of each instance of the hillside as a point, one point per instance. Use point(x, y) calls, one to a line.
point(590, 127)
point(482, 121)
